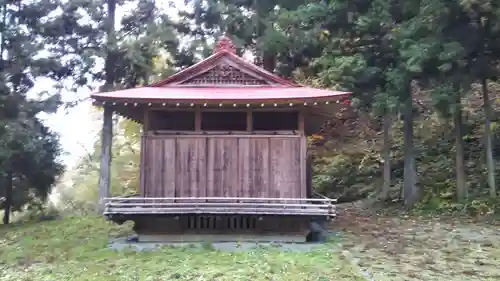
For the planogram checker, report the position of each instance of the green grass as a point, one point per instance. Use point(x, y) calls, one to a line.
point(76, 249)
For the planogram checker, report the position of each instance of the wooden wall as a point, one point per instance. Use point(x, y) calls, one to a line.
point(224, 166)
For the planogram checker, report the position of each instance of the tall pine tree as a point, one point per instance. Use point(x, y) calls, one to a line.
point(29, 150)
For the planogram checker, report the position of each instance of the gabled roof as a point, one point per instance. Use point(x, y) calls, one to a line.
point(222, 77)
point(224, 61)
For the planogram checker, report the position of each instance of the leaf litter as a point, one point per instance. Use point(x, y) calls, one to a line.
point(406, 248)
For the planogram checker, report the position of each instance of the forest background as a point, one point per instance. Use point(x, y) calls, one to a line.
point(423, 76)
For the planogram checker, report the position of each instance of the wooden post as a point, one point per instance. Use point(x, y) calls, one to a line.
point(144, 136)
point(146, 121)
point(249, 120)
point(197, 119)
point(301, 122)
point(106, 142)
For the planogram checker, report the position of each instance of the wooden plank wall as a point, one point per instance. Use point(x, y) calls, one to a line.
point(223, 166)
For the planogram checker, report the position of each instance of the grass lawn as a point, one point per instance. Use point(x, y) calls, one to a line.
point(76, 249)
point(388, 248)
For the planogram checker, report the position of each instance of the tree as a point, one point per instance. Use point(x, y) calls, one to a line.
point(81, 36)
point(250, 23)
point(466, 51)
point(143, 39)
point(29, 163)
point(374, 50)
point(29, 151)
point(485, 20)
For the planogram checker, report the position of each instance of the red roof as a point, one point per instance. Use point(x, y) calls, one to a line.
point(223, 76)
point(221, 94)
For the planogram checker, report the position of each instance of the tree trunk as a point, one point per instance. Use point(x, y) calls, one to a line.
point(105, 168)
point(2, 39)
point(490, 164)
point(146, 77)
point(410, 192)
point(8, 198)
point(459, 143)
point(107, 128)
point(386, 151)
point(269, 61)
point(111, 47)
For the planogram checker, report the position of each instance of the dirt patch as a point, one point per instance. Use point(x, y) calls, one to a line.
point(415, 248)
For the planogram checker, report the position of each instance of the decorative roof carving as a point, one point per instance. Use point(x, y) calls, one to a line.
point(224, 67)
point(225, 44)
point(224, 74)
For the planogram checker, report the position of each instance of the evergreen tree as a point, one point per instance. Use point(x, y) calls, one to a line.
point(484, 18)
point(466, 51)
point(250, 23)
point(84, 36)
point(371, 50)
point(142, 40)
point(29, 151)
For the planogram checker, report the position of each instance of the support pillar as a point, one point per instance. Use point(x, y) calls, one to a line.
point(105, 168)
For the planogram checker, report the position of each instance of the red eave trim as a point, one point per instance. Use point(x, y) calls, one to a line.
point(236, 95)
point(232, 100)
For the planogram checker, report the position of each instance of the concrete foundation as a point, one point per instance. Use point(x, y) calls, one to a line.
point(121, 244)
point(191, 238)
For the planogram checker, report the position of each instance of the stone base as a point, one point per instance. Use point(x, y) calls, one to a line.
point(193, 238)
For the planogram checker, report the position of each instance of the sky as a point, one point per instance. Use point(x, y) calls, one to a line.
point(79, 126)
point(75, 125)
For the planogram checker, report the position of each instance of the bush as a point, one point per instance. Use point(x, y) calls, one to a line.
point(40, 213)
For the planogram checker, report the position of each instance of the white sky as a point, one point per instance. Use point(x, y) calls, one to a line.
point(78, 126)
point(74, 125)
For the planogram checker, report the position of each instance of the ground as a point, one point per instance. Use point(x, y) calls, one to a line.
point(369, 247)
point(402, 247)
point(76, 249)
